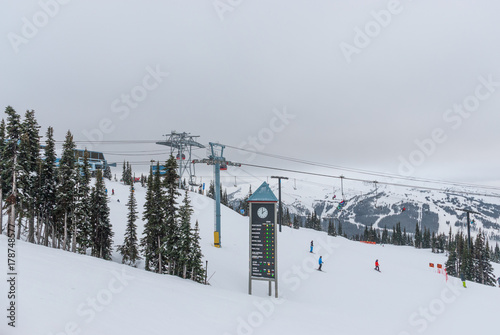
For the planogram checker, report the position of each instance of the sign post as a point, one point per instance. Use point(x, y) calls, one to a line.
point(263, 261)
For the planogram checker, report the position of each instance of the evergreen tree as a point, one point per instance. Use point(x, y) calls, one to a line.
point(433, 242)
point(82, 224)
point(482, 271)
point(467, 263)
point(287, 220)
point(99, 218)
point(29, 156)
point(107, 172)
point(365, 234)
point(129, 249)
point(11, 166)
point(385, 236)
point(170, 248)
point(185, 243)
point(296, 223)
point(154, 227)
point(340, 229)
point(245, 206)
point(224, 200)
point(124, 173)
point(331, 228)
point(195, 260)
point(2, 169)
point(497, 253)
point(48, 182)
point(66, 187)
point(418, 237)
point(211, 190)
point(316, 222)
point(149, 243)
point(426, 241)
point(452, 264)
point(308, 223)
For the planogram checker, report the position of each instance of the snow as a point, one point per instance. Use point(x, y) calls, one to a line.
point(63, 293)
point(301, 196)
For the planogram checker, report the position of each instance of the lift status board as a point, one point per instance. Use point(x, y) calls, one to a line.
point(263, 241)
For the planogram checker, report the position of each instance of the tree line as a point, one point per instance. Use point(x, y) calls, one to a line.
point(48, 203)
point(54, 204)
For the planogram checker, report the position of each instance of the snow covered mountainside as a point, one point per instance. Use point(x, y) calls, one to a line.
point(380, 205)
point(59, 292)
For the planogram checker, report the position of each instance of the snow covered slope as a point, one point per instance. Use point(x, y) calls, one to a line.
point(63, 293)
point(381, 205)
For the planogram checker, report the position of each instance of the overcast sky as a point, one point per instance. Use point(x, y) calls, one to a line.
point(350, 83)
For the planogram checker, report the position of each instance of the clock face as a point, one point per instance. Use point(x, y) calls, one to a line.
point(262, 212)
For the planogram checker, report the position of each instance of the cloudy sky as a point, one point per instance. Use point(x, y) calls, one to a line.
point(403, 87)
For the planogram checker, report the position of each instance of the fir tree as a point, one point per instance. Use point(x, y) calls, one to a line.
point(482, 271)
point(99, 218)
point(211, 190)
point(48, 184)
point(452, 264)
point(287, 220)
point(154, 227)
point(195, 263)
point(185, 236)
point(296, 223)
point(107, 172)
point(82, 225)
point(385, 236)
point(29, 156)
point(124, 173)
point(2, 169)
point(426, 240)
point(340, 232)
point(308, 223)
point(245, 206)
point(170, 249)
point(331, 228)
point(66, 186)
point(129, 249)
point(418, 237)
point(497, 253)
point(11, 166)
point(467, 263)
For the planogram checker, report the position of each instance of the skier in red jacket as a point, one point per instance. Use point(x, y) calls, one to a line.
point(376, 265)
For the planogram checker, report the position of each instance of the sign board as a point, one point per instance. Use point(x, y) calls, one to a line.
point(263, 262)
point(263, 241)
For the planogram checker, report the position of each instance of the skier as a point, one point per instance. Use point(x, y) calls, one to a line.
point(376, 265)
point(498, 279)
point(320, 261)
point(113, 191)
point(312, 245)
point(462, 278)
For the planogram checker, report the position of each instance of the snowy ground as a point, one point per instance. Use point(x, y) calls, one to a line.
point(62, 293)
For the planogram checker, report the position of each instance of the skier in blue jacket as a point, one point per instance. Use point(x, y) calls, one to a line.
point(320, 261)
point(312, 245)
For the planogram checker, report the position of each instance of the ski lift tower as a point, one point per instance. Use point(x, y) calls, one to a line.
point(182, 144)
point(217, 159)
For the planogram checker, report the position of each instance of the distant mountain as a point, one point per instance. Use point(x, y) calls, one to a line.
point(382, 206)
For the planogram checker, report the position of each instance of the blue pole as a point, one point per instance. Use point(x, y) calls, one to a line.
point(217, 201)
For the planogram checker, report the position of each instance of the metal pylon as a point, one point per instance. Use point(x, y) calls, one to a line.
point(181, 145)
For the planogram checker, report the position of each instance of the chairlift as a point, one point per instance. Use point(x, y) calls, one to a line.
point(342, 187)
